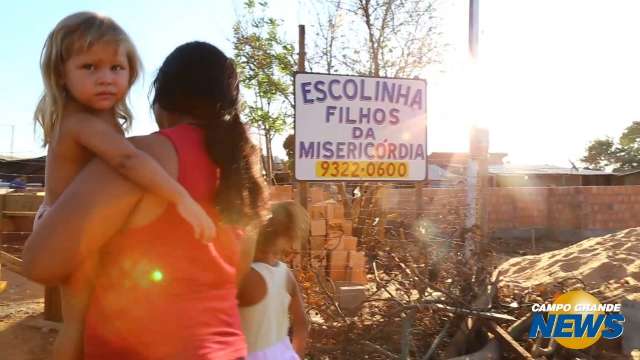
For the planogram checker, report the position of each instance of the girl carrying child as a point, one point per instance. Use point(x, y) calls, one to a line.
point(88, 66)
point(269, 293)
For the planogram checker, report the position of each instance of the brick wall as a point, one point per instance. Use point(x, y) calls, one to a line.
point(569, 212)
point(442, 208)
point(589, 210)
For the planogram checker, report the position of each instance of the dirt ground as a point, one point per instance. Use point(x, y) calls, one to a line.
point(21, 303)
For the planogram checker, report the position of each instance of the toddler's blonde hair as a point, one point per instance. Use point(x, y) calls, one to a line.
point(77, 33)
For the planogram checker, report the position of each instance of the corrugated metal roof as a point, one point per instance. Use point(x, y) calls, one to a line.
point(436, 173)
point(509, 169)
point(628, 172)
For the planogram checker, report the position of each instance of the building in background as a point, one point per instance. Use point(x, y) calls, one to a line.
point(456, 163)
point(627, 178)
point(32, 169)
point(508, 175)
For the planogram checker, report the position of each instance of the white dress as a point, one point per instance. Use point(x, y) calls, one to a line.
point(266, 323)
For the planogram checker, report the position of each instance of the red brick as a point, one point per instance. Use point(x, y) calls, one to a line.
point(318, 227)
point(349, 243)
point(317, 212)
point(334, 243)
point(317, 242)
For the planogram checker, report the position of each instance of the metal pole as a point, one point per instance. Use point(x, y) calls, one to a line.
point(303, 190)
point(474, 28)
point(13, 130)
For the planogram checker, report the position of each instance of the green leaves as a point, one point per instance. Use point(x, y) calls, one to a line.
point(266, 63)
point(623, 156)
point(599, 153)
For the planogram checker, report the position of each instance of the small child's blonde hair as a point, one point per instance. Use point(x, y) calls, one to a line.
point(77, 33)
point(288, 219)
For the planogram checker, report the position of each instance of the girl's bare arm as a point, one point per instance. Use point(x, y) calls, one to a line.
point(299, 320)
point(252, 290)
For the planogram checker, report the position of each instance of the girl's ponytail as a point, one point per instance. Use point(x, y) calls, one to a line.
point(197, 79)
point(241, 191)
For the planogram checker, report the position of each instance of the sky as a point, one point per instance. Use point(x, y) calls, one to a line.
point(551, 75)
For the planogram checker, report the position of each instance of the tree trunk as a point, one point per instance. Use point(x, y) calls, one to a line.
point(269, 168)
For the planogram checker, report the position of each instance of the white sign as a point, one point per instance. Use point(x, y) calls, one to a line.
point(360, 128)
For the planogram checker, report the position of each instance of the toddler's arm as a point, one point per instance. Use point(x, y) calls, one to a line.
point(105, 141)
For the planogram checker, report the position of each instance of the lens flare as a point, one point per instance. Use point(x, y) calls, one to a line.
point(156, 276)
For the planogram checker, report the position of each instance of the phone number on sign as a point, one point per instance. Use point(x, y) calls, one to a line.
point(362, 169)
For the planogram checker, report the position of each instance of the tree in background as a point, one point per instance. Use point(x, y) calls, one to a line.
point(621, 156)
point(289, 146)
point(395, 38)
point(266, 63)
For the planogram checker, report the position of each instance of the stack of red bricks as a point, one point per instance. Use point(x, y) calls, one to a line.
point(332, 245)
point(281, 193)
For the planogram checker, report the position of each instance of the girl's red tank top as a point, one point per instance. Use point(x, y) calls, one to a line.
point(162, 294)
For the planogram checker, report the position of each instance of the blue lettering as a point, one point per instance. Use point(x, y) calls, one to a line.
point(349, 120)
point(565, 321)
point(379, 116)
point(363, 96)
point(365, 115)
point(367, 147)
point(405, 95)
point(356, 132)
point(332, 94)
point(417, 99)
point(320, 89)
point(403, 151)
point(327, 150)
point(587, 324)
point(307, 152)
point(306, 90)
point(340, 150)
point(353, 95)
point(331, 110)
point(538, 325)
point(370, 135)
point(392, 151)
point(351, 150)
point(393, 114)
point(613, 325)
point(419, 152)
point(388, 92)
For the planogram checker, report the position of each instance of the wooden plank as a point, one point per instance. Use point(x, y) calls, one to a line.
point(43, 324)
point(19, 213)
point(11, 262)
point(52, 304)
point(419, 199)
point(506, 339)
point(380, 350)
point(474, 313)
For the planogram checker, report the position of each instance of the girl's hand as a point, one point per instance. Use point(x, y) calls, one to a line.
point(203, 227)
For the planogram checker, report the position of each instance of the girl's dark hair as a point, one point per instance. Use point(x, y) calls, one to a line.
point(288, 219)
point(199, 80)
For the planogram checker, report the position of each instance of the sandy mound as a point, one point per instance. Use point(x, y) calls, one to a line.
point(609, 266)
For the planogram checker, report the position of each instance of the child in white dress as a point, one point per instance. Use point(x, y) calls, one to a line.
point(269, 293)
